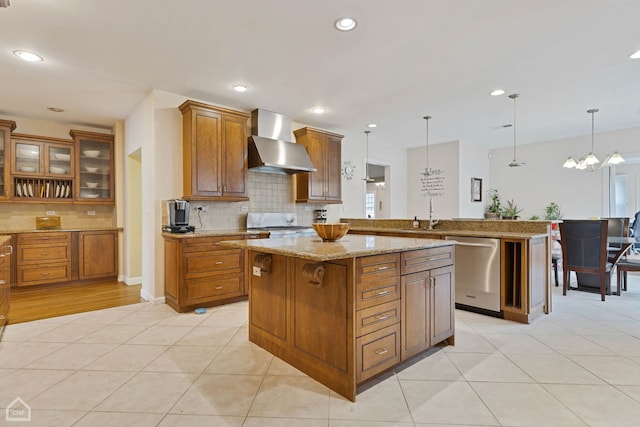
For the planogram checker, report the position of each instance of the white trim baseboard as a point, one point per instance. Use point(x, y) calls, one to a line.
point(150, 298)
point(130, 281)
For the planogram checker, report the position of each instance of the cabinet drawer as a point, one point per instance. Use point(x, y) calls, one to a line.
point(44, 273)
point(426, 259)
point(206, 263)
point(199, 244)
point(377, 352)
point(43, 254)
point(43, 238)
point(377, 317)
point(376, 267)
point(207, 288)
point(369, 294)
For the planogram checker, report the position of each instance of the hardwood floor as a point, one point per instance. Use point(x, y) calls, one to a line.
point(32, 304)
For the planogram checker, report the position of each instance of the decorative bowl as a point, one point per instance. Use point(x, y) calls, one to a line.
point(91, 153)
point(27, 169)
point(91, 195)
point(62, 156)
point(92, 184)
point(92, 170)
point(55, 169)
point(331, 232)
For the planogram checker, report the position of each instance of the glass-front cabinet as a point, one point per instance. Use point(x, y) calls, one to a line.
point(95, 174)
point(6, 126)
point(42, 168)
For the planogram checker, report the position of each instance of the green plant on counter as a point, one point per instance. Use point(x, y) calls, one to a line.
point(495, 207)
point(534, 217)
point(511, 210)
point(552, 212)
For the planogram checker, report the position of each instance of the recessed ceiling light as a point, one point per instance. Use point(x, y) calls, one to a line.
point(55, 109)
point(319, 110)
point(240, 87)
point(346, 24)
point(372, 125)
point(496, 92)
point(27, 56)
point(635, 55)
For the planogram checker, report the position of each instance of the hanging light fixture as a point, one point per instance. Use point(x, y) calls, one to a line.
point(514, 163)
point(426, 168)
point(590, 161)
point(366, 160)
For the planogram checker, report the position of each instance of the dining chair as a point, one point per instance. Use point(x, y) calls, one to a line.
point(617, 227)
point(623, 267)
point(584, 251)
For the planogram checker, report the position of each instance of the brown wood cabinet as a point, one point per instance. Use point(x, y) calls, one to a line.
point(214, 152)
point(199, 272)
point(94, 162)
point(43, 258)
point(324, 185)
point(524, 277)
point(428, 299)
point(6, 126)
point(5, 279)
point(97, 255)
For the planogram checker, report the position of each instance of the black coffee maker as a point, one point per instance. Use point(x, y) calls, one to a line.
point(178, 213)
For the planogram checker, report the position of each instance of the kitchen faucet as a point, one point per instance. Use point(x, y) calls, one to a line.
point(433, 220)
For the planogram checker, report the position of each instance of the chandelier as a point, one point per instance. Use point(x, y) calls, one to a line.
point(590, 161)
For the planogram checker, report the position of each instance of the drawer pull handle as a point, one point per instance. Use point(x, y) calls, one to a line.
point(44, 253)
point(383, 317)
point(218, 262)
point(382, 351)
point(44, 274)
point(10, 248)
point(218, 287)
point(383, 292)
point(2, 282)
point(384, 267)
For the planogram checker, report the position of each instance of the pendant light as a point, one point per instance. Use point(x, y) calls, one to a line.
point(426, 168)
point(590, 161)
point(366, 160)
point(514, 163)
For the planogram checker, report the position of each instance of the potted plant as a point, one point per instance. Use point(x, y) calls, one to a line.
point(494, 210)
point(511, 211)
point(552, 212)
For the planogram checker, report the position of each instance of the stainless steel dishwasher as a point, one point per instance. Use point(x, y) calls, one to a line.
point(477, 273)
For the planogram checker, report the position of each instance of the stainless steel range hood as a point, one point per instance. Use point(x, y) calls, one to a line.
point(269, 149)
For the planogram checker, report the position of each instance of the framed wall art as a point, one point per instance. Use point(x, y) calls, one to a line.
point(476, 189)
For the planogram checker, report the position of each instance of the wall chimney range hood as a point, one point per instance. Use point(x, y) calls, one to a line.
point(269, 149)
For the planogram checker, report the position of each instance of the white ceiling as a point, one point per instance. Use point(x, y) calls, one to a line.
point(406, 59)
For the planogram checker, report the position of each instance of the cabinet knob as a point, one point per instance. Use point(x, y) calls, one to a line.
point(382, 351)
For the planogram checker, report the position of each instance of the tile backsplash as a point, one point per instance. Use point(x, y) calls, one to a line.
point(267, 193)
point(22, 216)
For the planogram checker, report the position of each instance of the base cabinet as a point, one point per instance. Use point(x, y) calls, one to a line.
point(6, 250)
point(198, 272)
point(98, 254)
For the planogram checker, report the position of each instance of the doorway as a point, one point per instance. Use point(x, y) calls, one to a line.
point(377, 190)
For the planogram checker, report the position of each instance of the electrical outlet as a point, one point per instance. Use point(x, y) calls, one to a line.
point(201, 208)
point(245, 209)
point(91, 213)
point(51, 212)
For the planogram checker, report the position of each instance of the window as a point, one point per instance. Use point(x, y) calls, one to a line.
point(370, 205)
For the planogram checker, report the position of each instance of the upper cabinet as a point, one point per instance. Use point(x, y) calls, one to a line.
point(324, 148)
point(95, 167)
point(6, 126)
point(214, 152)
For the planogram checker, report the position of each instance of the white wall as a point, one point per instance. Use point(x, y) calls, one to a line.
point(444, 157)
point(580, 194)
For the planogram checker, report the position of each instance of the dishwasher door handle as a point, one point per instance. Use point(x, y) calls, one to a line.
point(475, 245)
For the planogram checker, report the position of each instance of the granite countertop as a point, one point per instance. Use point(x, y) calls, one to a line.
point(213, 233)
point(350, 246)
point(59, 230)
point(461, 233)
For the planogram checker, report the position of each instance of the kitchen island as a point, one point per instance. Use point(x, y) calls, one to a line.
point(344, 312)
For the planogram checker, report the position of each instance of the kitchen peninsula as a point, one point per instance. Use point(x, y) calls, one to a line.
point(344, 312)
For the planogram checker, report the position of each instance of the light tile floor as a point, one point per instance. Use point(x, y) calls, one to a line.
point(146, 365)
